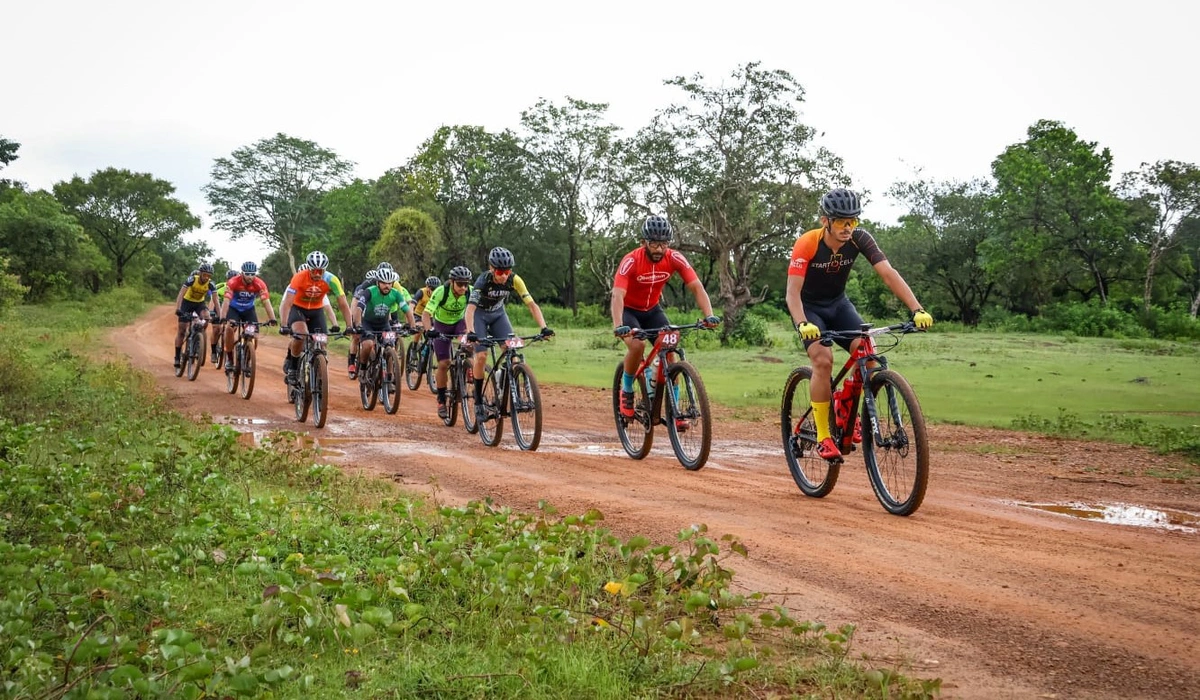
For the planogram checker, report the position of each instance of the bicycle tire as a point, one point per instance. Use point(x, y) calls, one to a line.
point(194, 348)
point(492, 426)
point(637, 433)
point(815, 476)
point(233, 378)
point(303, 395)
point(525, 407)
point(247, 367)
point(429, 362)
point(466, 398)
point(687, 401)
point(412, 366)
point(368, 387)
point(320, 390)
point(389, 381)
point(899, 466)
point(452, 389)
point(220, 338)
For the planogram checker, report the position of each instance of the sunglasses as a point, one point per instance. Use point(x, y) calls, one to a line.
point(839, 223)
point(249, 274)
point(502, 270)
point(457, 283)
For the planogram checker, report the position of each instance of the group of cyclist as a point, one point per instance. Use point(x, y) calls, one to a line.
point(474, 306)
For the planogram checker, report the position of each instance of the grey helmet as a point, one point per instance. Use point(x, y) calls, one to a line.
point(841, 203)
point(501, 258)
point(461, 273)
point(656, 228)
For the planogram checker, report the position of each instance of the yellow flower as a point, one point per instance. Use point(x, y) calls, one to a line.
point(614, 587)
point(600, 622)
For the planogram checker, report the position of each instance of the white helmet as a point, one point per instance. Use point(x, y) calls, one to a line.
point(388, 277)
point(318, 260)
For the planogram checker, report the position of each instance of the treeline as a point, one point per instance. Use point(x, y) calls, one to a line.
point(733, 165)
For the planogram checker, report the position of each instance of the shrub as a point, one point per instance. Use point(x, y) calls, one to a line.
point(752, 331)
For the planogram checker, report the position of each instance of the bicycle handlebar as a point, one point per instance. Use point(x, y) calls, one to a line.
point(645, 333)
point(901, 328)
point(490, 341)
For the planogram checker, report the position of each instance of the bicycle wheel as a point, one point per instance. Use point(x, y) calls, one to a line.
point(232, 378)
point(412, 366)
point(368, 383)
point(389, 381)
point(898, 463)
point(195, 350)
point(636, 433)
point(813, 475)
point(466, 394)
point(246, 365)
point(320, 389)
point(689, 422)
point(429, 362)
point(303, 392)
point(220, 363)
point(492, 426)
point(525, 407)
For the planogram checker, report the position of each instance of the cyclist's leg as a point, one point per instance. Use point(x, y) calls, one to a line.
point(441, 352)
point(493, 323)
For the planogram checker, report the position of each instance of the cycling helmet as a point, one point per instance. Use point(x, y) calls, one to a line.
point(230, 274)
point(371, 275)
point(462, 273)
point(656, 228)
point(249, 268)
point(317, 260)
point(389, 277)
point(302, 267)
point(501, 258)
point(385, 265)
point(841, 203)
point(206, 268)
point(433, 281)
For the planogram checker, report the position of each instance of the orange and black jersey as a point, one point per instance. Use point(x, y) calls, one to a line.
point(825, 272)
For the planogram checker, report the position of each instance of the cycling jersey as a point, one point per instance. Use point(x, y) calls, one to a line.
point(196, 291)
point(447, 307)
point(241, 295)
point(310, 293)
point(644, 280)
point(421, 299)
point(830, 270)
point(219, 292)
point(488, 294)
point(379, 307)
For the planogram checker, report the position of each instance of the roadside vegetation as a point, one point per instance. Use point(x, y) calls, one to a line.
point(142, 555)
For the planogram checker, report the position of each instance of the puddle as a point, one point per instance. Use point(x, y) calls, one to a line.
point(584, 449)
point(1124, 514)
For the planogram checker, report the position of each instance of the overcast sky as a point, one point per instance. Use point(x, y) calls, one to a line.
point(937, 85)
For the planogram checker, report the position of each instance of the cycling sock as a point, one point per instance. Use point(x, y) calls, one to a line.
point(820, 411)
point(442, 395)
point(627, 381)
point(177, 351)
point(478, 389)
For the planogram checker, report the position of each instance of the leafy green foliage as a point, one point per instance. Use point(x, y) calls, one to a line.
point(410, 241)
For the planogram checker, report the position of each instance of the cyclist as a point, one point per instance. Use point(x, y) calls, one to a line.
point(303, 305)
point(375, 309)
point(240, 293)
point(817, 301)
point(218, 318)
point(445, 314)
point(368, 280)
point(486, 315)
point(329, 314)
point(421, 298)
point(193, 297)
point(637, 292)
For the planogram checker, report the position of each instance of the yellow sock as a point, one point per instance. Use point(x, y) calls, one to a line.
point(820, 411)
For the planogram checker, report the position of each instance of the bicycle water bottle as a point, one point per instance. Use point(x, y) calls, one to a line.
point(651, 375)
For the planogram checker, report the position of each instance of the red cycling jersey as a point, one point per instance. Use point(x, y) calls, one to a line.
point(643, 280)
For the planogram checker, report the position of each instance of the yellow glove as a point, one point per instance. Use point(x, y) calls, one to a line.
point(808, 331)
point(922, 319)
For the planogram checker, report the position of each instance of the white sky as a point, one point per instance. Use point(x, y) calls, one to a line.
point(940, 85)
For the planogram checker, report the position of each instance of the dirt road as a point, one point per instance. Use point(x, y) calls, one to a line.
point(998, 599)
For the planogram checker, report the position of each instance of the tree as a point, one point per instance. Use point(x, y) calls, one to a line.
point(1172, 190)
point(735, 170)
point(354, 217)
point(273, 190)
point(410, 240)
point(570, 148)
point(47, 246)
point(8, 153)
point(941, 243)
point(125, 213)
point(1058, 214)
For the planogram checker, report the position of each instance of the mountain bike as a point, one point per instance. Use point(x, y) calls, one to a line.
point(665, 373)
point(218, 328)
point(192, 358)
point(418, 363)
point(894, 441)
point(460, 382)
point(379, 378)
point(510, 389)
point(244, 366)
point(311, 384)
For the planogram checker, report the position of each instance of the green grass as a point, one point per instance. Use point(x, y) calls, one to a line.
point(142, 555)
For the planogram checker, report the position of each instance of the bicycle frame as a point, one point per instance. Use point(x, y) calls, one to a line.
point(505, 353)
point(666, 350)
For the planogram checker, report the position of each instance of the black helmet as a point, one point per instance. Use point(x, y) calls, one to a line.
point(501, 258)
point(841, 203)
point(656, 228)
point(206, 268)
point(230, 274)
point(433, 281)
point(461, 273)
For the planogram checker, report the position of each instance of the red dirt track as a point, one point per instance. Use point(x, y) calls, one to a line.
point(998, 600)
